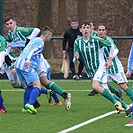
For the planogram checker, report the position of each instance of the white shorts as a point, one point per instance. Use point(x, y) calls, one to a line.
point(117, 78)
point(101, 75)
point(12, 77)
point(42, 70)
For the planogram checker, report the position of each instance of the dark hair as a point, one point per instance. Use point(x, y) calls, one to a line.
point(102, 24)
point(92, 23)
point(46, 29)
point(74, 20)
point(84, 22)
point(8, 18)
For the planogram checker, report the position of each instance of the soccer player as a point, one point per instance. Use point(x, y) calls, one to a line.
point(89, 48)
point(93, 33)
point(2, 50)
point(18, 33)
point(8, 69)
point(26, 65)
point(116, 72)
point(43, 71)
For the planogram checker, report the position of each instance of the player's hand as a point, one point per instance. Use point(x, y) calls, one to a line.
point(13, 71)
point(8, 45)
point(27, 64)
point(128, 74)
point(108, 64)
point(76, 55)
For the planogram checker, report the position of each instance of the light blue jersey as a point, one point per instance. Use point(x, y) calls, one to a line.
point(31, 52)
point(130, 60)
point(46, 64)
point(19, 44)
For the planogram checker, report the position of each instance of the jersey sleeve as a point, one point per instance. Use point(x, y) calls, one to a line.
point(8, 37)
point(26, 31)
point(76, 47)
point(130, 60)
point(17, 44)
point(2, 43)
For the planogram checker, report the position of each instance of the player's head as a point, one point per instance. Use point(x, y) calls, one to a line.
point(92, 26)
point(46, 33)
point(74, 23)
point(85, 28)
point(10, 23)
point(102, 30)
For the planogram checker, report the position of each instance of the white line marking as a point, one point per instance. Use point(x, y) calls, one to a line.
point(87, 122)
point(64, 90)
point(13, 90)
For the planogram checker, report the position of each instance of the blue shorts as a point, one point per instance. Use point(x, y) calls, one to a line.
point(27, 77)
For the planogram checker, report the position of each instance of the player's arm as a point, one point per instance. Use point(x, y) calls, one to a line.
point(29, 33)
point(130, 63)
point(76, 52)
point(112, 54)
point(34, 33)
point(16, 44)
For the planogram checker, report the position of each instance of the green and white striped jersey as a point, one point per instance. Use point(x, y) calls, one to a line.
point(116, 64)
point(91, 53)
point(19, 34)
point(2, 43)
point(94, 33)
point(13, 57)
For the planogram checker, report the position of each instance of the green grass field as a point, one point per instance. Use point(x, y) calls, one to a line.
point(56, 119)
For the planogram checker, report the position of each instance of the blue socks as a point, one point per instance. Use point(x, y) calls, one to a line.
point(55, 97)
point(27, 94)
point(43, 91)
point(33, 96)
point(1, 102)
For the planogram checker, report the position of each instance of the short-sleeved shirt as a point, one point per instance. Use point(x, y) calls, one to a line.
point(116, 64)
point(90, 53)
point(31, 52)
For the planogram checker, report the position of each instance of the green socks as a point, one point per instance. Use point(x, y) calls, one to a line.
point(54, 87)
point(113, 90)
point(124, 105)
point(129, 92)
point(20, 85)
point(107, 95)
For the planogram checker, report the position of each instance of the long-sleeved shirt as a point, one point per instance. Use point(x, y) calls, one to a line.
point(69, 37)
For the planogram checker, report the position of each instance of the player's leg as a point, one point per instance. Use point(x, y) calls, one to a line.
point(72, 66)
point(2, 107)
point(2, 58)
point(115, 91)
point(80, 68)
point(121, 79)
point(46, 73)
point(54, 87)
point(14, 79)
point(99, 84)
